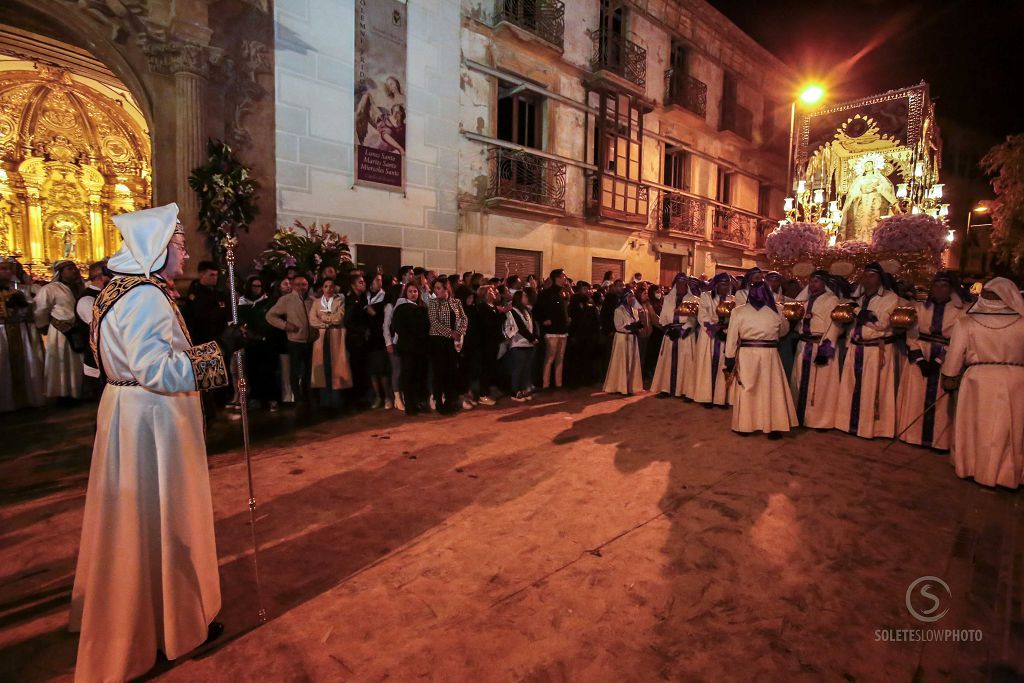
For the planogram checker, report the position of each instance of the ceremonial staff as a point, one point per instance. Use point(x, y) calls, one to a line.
point(230, 242)
point(914, 421)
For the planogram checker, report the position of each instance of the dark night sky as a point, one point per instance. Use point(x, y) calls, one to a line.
point(971, 52)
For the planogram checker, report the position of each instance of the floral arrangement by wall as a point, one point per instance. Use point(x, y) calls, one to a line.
point(306, 248)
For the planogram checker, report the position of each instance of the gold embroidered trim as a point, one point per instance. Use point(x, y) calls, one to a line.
point(209, 367)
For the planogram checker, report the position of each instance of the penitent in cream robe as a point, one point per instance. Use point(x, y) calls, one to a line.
point(147, 574)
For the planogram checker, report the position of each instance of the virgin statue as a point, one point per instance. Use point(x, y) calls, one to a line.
point(869, 198)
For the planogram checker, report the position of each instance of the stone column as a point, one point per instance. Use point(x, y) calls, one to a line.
point(188, 63)
point(190, 123)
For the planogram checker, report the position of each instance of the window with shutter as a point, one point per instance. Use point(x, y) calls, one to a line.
point(521, 262)
point(600, 266)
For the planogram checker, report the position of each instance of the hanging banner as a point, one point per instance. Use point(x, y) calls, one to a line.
point(380, 89)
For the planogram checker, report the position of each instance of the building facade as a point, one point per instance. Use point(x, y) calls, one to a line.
point(591, 135)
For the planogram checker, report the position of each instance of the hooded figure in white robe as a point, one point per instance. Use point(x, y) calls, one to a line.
point(709, 385)
point(987, 347)
point(55, 313)
point(147, 575)
point(761, 400)
point(866, 405)
point(625, 375)
point(919, 390)
point(750, 278)
point(815, 377)
point(21, 351)
point(676, 358)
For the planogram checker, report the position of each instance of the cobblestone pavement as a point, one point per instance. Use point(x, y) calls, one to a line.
point(578, 537)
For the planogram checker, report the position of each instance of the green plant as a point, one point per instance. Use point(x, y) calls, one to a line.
point(1005, 162)
point(227, 195)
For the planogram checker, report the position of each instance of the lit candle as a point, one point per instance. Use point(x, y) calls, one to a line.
point(788, 205)
point(951, 235)
point(919, 169)
point(801, 186)
point(944, 210)
point(819, 196)
point(901, 191)
point(833, 206)
point(937, 191)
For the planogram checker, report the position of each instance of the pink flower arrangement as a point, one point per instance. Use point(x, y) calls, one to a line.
point(853, 248)
point(792, 241)
point(910, 233)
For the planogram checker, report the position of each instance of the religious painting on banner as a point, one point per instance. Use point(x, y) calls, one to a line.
point(380, 89)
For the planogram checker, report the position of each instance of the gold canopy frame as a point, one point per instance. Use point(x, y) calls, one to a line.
point(71, 158)
point(895, 131)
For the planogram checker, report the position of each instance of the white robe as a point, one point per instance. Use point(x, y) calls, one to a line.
point(21, 361)
point(761, 400)
point(147, 574)
point(62, 367)
point(917, 392)
point(988, 438)
point(625, 375)
point(868, 379)
point(816, 387)
point(709, 384)
point(676, 358)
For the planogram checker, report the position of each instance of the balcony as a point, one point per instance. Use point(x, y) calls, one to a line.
point(518, 177)
point(683, 90)
point(544, 19)
point(737, 119)
point(618, 199)
point(735, 228)
point(620, 57)
point(678, 213)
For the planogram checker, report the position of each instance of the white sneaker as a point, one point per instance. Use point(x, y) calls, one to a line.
point(399, 403)
point(487, 401)
point(433, 404)
point(519, 396)
point(388, 405)
point(467, 404)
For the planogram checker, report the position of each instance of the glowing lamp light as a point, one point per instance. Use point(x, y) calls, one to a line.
point(3, 175)
point(832, 240)
point(837, 216)
point(819, 196)
point(812, 94)
point(901, 191)
point(937, 191)
point(980, 208)
point(919, 169)
point(801, 186)
point(944, 210)
point(833, 206)
point(916, 209)
point(788, 205)
point(951, 235)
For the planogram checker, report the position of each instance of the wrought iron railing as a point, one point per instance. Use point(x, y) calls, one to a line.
point(734, 227)
point(677, 212)
point(543, 18)
point(523, 177)
point(686, 91)
point(738, 119)
point(764, 227)
point(620, 56)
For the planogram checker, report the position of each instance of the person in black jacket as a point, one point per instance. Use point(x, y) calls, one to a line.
point(490, 316)
point(411, 325)
point(207, 312)
point(552, 311)
point(262, 366)
point(357, 338)
point(583, 346)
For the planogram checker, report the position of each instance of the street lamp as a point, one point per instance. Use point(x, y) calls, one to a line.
point(810, 95)
point(981, 207)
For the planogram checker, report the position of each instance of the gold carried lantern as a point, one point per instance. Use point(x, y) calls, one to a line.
point(903, 317)
point(844, 314)
point(793, 310)
point(687, 309)
point(724, 307)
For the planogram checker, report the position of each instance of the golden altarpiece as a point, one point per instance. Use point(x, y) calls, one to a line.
point(71, 158)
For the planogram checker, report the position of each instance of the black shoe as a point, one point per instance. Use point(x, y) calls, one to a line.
point(214, 632)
